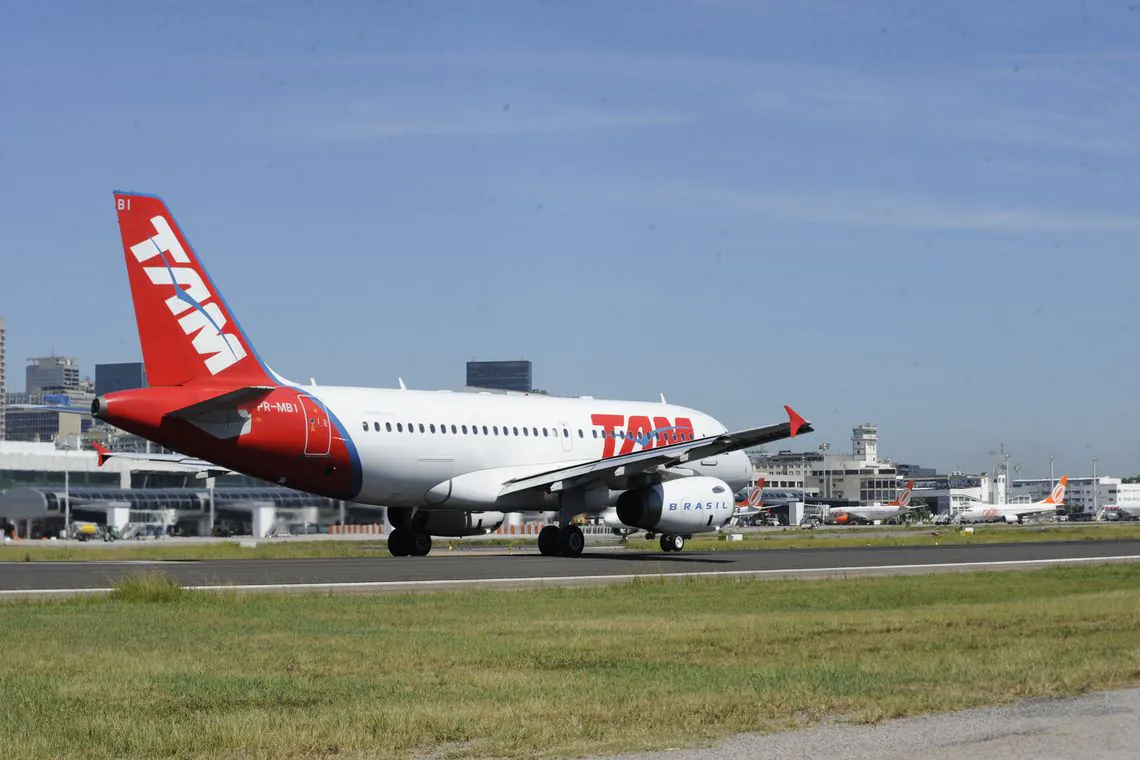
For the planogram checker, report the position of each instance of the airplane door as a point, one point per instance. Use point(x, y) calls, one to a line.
point(318, 429)
point(567, 436)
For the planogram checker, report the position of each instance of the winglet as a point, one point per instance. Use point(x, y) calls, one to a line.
point(794, 420)
point(103, 451)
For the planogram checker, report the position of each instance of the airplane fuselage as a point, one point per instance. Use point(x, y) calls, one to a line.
point(429, 449)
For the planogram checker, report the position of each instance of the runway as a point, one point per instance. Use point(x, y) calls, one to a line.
point(497, 568)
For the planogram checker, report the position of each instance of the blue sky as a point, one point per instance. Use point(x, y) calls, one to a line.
point(922, 215)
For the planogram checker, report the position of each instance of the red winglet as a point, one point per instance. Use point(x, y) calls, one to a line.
point(104, 452)
point(795, 421)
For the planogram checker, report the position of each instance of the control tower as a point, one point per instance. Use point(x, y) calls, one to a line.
point(865, 443)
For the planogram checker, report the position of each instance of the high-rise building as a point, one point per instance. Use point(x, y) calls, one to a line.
point(52, 373)
point(52, 380)
point(507, 375)
point(3, 377)
point(125, 376)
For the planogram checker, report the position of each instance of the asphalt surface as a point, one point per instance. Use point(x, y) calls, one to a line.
point(1100, 726)
point(521, 568)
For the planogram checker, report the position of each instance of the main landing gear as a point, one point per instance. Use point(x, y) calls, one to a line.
point(566, 541)
point(671, 543)
point(409, 542)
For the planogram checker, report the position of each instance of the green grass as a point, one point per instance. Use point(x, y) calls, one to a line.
point(550, 672)
point(789, 538)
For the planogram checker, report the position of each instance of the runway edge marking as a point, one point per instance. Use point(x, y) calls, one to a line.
point(442, 583)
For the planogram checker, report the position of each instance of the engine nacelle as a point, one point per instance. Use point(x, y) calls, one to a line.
point(684, 506)
point(449, 523)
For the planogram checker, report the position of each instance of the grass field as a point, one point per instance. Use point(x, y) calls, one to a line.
point(157, 672)
point(42, 551)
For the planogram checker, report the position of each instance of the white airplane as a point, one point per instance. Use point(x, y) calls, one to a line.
point(445, 464)
point(979, 511)
point(892, 510)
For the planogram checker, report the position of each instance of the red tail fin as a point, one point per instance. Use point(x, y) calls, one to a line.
point(903, 499)
point(1057, 496)
point(188, 334)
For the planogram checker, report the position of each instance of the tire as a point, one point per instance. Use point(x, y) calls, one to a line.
point(666, 542)
point(549, 541)
point(572, 541)
point(397, 542)
point(678, 543)
point(419, 543)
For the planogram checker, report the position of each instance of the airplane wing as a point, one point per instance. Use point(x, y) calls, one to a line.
point(208, 469)
point(623, 466)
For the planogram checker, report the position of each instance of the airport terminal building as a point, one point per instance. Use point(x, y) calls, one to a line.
point(43, 488)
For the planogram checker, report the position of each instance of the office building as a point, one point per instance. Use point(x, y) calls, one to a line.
point(119, 377)
point(52, 373)
point(3, 378)
point(503, 375)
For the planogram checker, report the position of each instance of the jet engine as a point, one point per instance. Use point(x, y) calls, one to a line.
point(684, 506)
point(450, 523)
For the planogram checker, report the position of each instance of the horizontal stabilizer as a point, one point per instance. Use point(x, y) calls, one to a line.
point(224, 402)
point(204, 468)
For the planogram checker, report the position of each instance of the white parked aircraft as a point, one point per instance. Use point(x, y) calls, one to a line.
point(870, 513)
point(979, 511)
point(445, 464)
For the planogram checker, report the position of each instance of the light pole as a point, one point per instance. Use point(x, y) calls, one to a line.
point(1096, 487)
point(66, 495)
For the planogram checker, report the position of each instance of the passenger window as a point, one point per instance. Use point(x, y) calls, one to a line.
point(535, 430)
point(580, 433)
point(514, 431)
point(525, 432)
point(399, 427)
point(366, 427)
point(565, 433)
point(421, 427)
point(484, 430)
point(376, 426)
point(595, 432)
point(431, 427)
point(388, 426)
point(495, 429)
point(545, 434)
point(453, 430)
point(464, 429)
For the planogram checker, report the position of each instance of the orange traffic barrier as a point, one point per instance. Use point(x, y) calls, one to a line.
point(356, 530)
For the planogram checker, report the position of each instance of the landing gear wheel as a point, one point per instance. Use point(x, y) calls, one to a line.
point(671, 543)
point(419, 543)
point(572, 541)
point(398, 542)
point(548, 541)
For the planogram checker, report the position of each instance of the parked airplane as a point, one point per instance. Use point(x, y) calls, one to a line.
point(980, 511)
point(445, 464)
point(892, 510)
point(752, 505)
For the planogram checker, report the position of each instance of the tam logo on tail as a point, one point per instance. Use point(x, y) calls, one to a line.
point(187, 332)
point(205, 322)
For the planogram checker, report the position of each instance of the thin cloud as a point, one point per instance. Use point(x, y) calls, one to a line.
point(420, 117)
point(846, 209)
